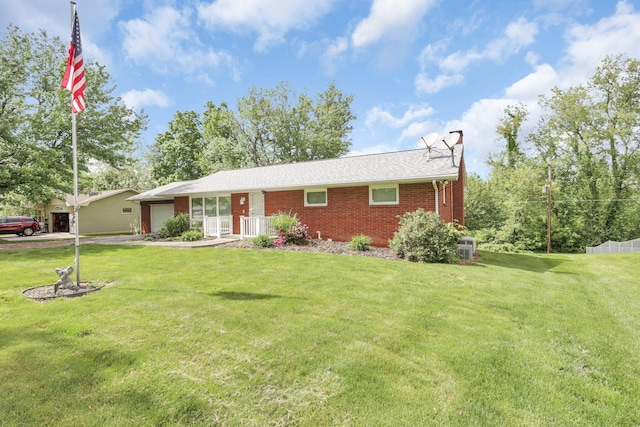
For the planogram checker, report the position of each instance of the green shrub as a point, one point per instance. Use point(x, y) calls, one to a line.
point(262, 241)
point(192, 235)
point(424, 237)
point(284, 221)
point(360, 243)
point(177, 225)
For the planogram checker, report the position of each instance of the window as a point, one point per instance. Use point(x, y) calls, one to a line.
point(210, 207)
point(315, 197)
point(127, 211)
point(224, 205)
point(383, 194)
point(196, 207)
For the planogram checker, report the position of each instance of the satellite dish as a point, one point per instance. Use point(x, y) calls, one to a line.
point(450, 140)
point(429, 140)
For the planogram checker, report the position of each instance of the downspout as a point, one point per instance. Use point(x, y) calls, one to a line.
point(435, 188)
point(453, 215)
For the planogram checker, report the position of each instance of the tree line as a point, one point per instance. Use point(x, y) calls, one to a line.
point(588, 138)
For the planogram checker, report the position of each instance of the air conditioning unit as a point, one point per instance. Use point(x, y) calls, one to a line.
point(465, 251)
point(466, 247)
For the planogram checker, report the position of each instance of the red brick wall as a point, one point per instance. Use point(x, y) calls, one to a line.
point(458, 194)
point(181, 205)
point(145, 217)
point(348, 212)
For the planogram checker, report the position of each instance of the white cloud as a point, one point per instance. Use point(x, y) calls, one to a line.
point(165, 42)
point(271, 20)
point(529, 87)
point(414, 112)
point(333, 54)
point(424, 84)
point(136, 99)
point(390, 18)
point(517, 35)
point(589, 44)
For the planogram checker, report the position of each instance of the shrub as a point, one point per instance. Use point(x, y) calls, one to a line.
point(177, 225)
point(296, 235)
point(360, 243)
point(192, 235)
point(262, 241)
point(284, 221)
point(424, 237)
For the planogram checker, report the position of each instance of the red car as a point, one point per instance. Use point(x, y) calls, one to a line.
point(20, 225)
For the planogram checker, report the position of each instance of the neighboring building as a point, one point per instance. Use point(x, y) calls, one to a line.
point(337, 198)
point(100, 213)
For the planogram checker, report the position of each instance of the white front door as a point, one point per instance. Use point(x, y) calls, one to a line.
point(256, 204)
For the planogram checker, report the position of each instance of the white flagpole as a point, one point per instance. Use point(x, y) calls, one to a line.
point(75, 170)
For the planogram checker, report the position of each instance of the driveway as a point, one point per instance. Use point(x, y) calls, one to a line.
point(46, 240)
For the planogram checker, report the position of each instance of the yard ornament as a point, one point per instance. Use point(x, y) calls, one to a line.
point(64, 281)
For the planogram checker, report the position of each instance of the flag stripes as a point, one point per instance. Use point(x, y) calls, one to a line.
point(74, 80)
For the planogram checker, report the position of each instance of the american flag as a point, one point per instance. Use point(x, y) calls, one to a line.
point(73, 79)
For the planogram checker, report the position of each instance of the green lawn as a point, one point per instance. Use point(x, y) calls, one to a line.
point(218, 336)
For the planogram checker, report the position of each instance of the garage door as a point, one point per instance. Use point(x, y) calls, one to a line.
point(159, 214)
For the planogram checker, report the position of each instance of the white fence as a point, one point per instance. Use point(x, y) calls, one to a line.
point(612, 247)
point(252, 226)
point(216, 226)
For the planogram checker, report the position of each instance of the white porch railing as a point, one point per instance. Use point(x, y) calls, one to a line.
point(216, 226)
point(252, 226)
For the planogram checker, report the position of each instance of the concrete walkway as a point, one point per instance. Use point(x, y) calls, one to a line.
point(115, 240)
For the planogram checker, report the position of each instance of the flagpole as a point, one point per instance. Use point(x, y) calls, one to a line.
point(74, 142)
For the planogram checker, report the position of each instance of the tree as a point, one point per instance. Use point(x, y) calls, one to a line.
point(103, 177)
point(591, 133)
point(178, 153)
point(280, 126)
point(35, 118)
point(509, 128)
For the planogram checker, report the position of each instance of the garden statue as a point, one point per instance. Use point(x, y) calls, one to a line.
point(64, 281)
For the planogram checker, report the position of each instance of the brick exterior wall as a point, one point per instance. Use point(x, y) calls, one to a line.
point(348, 212)
point(181, 205)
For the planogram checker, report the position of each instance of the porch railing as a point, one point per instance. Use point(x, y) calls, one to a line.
point(216, 226)
point(252, 226)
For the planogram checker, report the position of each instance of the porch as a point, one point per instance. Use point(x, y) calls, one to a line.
point(250, 226)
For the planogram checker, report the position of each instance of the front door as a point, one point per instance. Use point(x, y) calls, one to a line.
point(256, 204)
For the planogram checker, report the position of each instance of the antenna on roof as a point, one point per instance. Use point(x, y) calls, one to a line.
point(429, 141)
point(450, 140)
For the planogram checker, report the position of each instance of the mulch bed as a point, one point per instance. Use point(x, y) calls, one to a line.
point(45, 293)
point(323, 246)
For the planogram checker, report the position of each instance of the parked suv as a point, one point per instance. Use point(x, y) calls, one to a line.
point(20, 225)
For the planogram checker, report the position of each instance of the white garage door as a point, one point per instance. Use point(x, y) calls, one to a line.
point(159, 214)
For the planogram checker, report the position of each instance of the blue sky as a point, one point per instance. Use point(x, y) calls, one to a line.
point(414, 66)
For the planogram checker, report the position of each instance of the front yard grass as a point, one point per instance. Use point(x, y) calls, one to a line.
point(217, 336)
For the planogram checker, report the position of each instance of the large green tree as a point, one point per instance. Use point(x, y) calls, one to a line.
point(280, 125)
point(35, 118)
point(270, 126)
point(591, 134)
point(178, 153)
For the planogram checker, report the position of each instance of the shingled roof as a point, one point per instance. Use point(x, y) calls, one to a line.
point(400, 166)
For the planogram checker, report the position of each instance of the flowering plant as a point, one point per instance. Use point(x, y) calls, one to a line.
point(297, 235)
